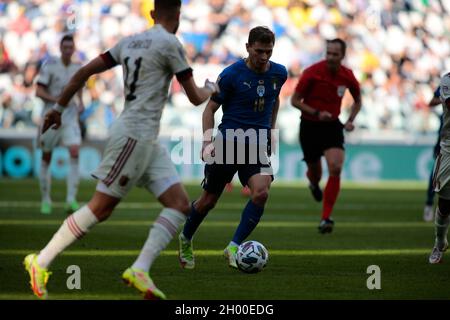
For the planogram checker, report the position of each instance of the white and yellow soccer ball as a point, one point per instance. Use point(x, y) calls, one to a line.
point(252, 257)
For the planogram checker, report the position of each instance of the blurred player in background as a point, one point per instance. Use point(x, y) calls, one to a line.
point(249, 98)
point(318, 96)
point(441, 177)
point(133, 155)
point(53, 76)
point(428, 212)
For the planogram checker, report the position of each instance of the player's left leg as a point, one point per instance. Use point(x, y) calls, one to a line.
point(176, 207)
point(259, 185)
point(73, 180)
point(442, 221)
point(71, 138)
point(335, 160)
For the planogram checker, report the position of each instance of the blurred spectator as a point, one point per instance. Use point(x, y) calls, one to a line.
point(396, 49)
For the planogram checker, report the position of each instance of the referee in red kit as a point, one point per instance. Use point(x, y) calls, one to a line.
point(318, 96)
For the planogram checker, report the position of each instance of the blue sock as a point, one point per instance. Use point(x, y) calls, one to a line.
point(430, 190)
point(249, 220)
point(193, 221)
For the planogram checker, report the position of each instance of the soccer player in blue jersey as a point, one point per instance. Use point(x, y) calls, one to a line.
point(428, 212)
point(249, 96)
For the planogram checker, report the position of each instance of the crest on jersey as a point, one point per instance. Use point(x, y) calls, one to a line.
point(260, 90)
point(341, 90)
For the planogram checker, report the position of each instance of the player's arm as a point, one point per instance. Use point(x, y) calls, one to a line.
point(208, 127)
point(53, 117)
point(355, 108)
point(42, 92)
point(297, 101)
point(276, 106)
point(436, 100)
point(197, 95)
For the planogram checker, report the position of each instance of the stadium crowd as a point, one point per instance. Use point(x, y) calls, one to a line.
point(398, 51)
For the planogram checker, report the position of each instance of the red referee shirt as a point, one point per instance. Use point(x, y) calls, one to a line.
point(324, 91)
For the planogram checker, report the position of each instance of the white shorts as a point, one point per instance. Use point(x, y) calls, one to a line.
point(128, 162)
point(67, 135)
point(441, 175)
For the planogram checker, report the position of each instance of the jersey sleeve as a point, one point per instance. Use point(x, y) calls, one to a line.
point(45, 74)
point(225, 85)
point(176, 57)
point(112, 56)
point(304, 82)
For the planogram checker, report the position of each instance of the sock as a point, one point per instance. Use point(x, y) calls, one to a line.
point(73, 228)
point(193, 221)
point(45, 181)
point(162, 232)
point(330, 195)
point(430, 190)
point(72, 180)
point(249, 220)
point(441, 227)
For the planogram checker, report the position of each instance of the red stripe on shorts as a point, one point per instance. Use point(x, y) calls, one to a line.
point(120, 162)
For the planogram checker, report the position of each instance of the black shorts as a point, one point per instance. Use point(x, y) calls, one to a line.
point(317, 136)
point(219, 173)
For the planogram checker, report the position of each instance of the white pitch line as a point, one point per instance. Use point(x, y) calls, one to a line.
point(228, 206)
point(318, 252)
point(214, 224)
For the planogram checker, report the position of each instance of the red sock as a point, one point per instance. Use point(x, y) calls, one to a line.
point(330, 195)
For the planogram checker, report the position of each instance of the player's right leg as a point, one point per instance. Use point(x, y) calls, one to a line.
point(216, 178)
point(428, 212)
point(310, 138)
point(198, 211)
point(314, 174)
point(73, 228)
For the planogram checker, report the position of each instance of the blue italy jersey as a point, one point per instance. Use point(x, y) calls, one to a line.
point(247, 97)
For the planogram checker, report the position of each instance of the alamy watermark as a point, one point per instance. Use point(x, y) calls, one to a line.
point(374, 280)
point(230, 146)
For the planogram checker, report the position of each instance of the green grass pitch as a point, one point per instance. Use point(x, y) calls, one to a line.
point(376, 224)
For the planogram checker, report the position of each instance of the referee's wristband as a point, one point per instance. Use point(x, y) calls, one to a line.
point(316, 113)
point(58, 108)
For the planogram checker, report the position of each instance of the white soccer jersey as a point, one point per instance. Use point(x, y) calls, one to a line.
point(149, 61)
point(54, 75)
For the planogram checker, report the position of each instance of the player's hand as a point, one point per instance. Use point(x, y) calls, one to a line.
point(325, 116)
point(208, 151)
point(214, 87)
point(52, 119)
point(349, 126)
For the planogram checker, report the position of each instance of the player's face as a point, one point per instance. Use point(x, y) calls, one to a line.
point(334, 55)
point(259, 54)
point(67, 50)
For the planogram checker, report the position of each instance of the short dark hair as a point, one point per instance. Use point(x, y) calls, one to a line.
point(67, 37)
point(341, 42)
point(261, 34)
point(167, 5)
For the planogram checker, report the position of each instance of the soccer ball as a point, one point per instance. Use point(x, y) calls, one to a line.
point(251, 257)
